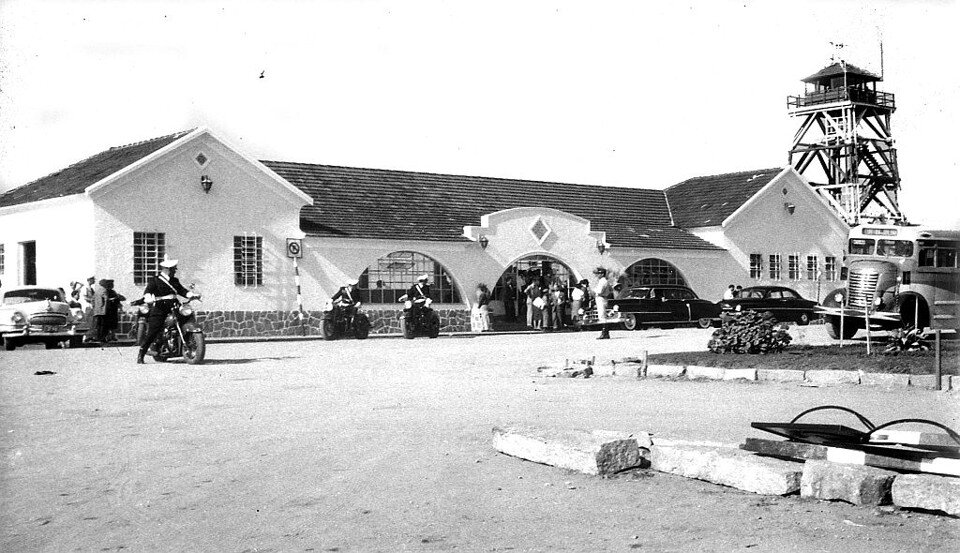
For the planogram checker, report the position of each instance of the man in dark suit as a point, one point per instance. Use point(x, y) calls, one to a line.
point(161, 294)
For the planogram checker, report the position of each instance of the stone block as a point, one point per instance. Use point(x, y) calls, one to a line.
point(665, 371)
point(855, 484)
point(831, 377)
point(729, 467)
point(740, 374)
point(925, 491)
point(591, 452)
point(884, 380)
point(780, 375)
point(629, 369)
point(929, 381)
point(708, 373)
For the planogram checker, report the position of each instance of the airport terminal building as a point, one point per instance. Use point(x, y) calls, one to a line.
point(231, 219)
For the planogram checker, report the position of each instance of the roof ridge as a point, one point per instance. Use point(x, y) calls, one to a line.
point(448, 175)
point(179, 134)
point(718, 175)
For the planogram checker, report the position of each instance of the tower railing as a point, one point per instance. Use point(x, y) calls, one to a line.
point(843, 94)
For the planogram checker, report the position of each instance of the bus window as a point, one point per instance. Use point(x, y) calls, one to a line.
point(927, 257)
point(861, 246)
point(946, 258)
point(899, 248)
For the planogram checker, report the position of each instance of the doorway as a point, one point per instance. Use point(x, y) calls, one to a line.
point(509, 305)
point(28, 263)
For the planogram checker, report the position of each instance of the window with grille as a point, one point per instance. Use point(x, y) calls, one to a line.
point(652, 271)
point(248, 260)
point(148, 251)
point(756, 266)
point(392, 275)
point(793, 267)
point(775, 266)
point(812, 267)
point(830, 267)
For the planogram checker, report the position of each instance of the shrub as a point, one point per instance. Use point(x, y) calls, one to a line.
point(905, 339)
point(749, 332)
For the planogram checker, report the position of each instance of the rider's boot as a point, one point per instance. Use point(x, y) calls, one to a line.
point(604, 334)
point(140, 357)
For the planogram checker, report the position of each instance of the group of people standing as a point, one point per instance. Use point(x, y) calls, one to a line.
point(103, 305)
point(732, 292)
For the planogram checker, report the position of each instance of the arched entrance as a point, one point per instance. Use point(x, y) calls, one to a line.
point(510, 302)
point(652, 271)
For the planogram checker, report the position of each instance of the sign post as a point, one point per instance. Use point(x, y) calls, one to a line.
point(295, 251)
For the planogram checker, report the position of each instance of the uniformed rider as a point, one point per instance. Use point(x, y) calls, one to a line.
point(161, 294)
point(602, 292)
point(346, 298)
point(419, 295)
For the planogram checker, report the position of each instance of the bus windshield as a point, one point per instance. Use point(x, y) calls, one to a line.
point(898, 248)
point(861, 246)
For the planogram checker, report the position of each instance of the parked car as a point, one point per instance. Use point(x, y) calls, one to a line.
point(784, 303)
point(35, 314)
point(665, 304)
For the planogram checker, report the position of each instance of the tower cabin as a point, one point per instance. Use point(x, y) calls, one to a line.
point(842, 82)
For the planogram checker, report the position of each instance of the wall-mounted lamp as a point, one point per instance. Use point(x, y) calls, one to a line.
point(789, 207)
point(484, 241)
point(206, 183)
point(601, 247)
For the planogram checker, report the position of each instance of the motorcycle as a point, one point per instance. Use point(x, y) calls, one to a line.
point(181, 336)
point(423, 321)
point(337, 323)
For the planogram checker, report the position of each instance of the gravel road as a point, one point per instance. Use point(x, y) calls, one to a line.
point(384, 445)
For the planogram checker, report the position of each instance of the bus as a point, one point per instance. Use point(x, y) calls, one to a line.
point(899, 276)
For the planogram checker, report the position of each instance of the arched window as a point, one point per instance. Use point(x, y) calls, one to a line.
point(392, 275)
point(652, 271)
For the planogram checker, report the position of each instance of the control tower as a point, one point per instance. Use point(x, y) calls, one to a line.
point(844, 146)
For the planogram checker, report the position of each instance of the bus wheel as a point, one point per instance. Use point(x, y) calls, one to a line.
point(833, 328)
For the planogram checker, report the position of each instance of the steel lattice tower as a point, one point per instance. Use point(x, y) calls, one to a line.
point(844, 146)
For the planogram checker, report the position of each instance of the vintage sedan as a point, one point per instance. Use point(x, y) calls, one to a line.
point(35, 314)
point(658, 305)
point(784, 303)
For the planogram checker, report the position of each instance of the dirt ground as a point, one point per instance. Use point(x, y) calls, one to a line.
point(385, 445)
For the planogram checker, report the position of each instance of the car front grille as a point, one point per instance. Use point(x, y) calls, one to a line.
point(48, 319)
point(862, 288)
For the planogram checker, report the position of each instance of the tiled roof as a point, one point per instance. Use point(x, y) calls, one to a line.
point(708, 201)
point(385, 204)
point(77, 177)
point(837, 69)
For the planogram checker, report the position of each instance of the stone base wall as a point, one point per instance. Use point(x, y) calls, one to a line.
point(224, 324)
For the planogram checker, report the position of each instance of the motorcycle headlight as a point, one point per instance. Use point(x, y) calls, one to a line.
point(877, 301)
point(580, 311)
point(838, 298)
point(17, 317)
point(738, 308)
point(408, 304)
point(143, 309)
point(186, 310)
point(616, 308)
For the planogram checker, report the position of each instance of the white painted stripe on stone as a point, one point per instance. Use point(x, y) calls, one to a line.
point(848, 456)
point(941, 465)
point(909, 437)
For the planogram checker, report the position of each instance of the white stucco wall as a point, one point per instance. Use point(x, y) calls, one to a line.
point(166, 196)
point(63, 231)
point(765, 226)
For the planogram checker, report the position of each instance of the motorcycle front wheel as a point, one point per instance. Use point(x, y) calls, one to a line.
point(328, 329)
point(408, 331)
point(361, 327)
point(433, 325)
point(195, 348)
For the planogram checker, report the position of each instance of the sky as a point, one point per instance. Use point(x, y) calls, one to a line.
point(619, 93)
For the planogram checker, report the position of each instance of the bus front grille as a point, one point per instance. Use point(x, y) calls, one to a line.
point(862, 288)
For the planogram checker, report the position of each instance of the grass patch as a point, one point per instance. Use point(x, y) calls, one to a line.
point(853, 356)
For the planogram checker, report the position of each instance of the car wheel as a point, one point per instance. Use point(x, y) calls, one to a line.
point(705, 322)
point(804, 319)
point(75, 341)
point(51, 344)
point(9, 344)
point(630, 321)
